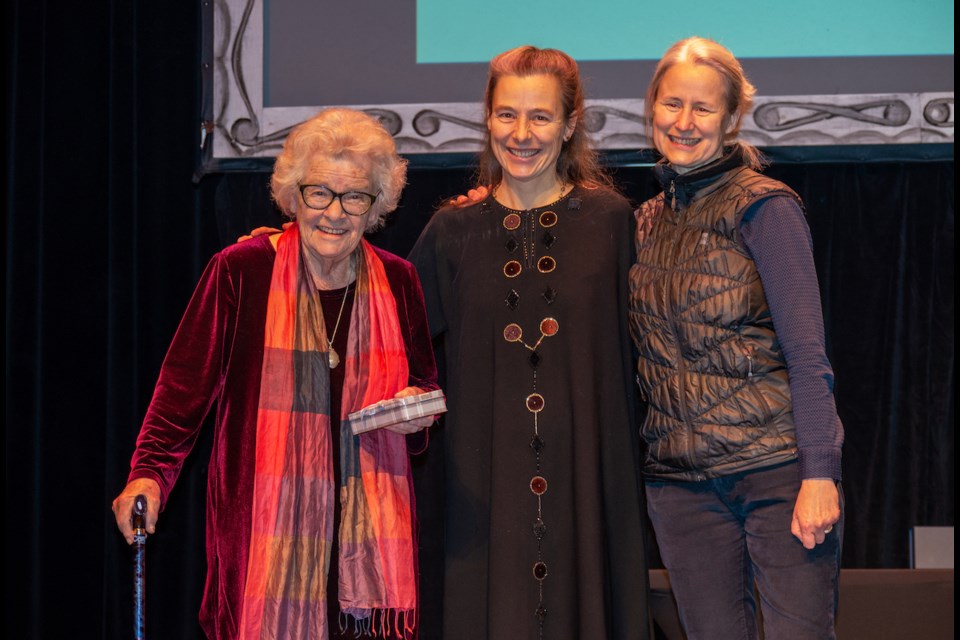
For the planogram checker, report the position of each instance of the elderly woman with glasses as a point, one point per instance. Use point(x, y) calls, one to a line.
point(310, 528)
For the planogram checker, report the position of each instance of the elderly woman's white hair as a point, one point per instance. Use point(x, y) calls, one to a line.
point(335, 134)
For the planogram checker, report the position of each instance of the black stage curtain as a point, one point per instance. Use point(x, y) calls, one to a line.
point(107, 234)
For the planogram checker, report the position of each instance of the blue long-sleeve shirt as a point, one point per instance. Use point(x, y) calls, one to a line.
point(775, 232)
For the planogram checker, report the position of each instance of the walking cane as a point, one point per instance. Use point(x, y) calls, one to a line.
point(139, 565)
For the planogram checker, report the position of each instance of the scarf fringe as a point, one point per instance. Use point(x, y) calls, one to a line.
point(382, 623)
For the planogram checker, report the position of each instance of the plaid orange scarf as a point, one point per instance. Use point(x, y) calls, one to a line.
point(285, 592)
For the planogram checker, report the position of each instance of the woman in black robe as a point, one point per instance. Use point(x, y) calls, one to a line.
point(527, 291)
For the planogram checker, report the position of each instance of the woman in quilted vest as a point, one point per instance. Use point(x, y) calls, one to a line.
point(742, 433)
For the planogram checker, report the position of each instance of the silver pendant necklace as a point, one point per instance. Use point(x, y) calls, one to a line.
point(333, 358)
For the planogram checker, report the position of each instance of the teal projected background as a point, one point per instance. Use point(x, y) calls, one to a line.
point(392, 52)
point(458, 31)
point(828, 72)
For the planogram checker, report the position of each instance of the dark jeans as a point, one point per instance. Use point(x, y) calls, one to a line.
point(717, 537)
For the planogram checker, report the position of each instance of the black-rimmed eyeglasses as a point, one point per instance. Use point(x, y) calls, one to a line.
point(354, 203)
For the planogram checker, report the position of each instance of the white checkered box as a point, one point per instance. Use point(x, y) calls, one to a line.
point(387, 412)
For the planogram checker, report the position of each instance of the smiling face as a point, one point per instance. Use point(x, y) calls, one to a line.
point(331, 235)
point(528, 129)
point(689, 116)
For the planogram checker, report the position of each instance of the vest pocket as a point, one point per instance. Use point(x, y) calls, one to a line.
point(745, 364)
point(751, 379)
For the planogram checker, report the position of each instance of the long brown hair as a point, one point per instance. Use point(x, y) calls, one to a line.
point(578, 163)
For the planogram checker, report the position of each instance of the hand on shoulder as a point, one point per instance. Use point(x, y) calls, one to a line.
point(473, 196)
point(259, 231)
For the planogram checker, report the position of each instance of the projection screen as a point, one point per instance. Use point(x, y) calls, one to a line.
point(829, 73)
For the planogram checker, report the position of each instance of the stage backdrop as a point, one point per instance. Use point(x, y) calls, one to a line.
point(829, 72)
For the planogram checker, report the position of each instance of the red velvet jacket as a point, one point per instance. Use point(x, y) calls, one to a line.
point(214, 361)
